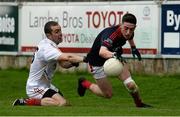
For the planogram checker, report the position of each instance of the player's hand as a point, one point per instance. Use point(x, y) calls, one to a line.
point(135, 52)
point(119, 57)
point(119, 51)
point(75, 64)
point(117, 54)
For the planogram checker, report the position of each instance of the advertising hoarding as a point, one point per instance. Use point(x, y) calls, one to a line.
point(170, 44)
point(82, 22)
point(8, 28)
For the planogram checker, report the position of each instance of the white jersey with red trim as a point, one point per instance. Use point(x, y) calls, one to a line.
point(43, 66)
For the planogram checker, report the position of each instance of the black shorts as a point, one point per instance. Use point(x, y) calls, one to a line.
point(50, 93)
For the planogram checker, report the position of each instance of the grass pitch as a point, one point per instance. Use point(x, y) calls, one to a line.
point(163, 92)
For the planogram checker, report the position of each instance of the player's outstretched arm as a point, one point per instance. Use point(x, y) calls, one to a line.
point(69, 60)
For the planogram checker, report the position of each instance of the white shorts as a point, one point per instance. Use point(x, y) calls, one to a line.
point(38, 92)
point(98, 72)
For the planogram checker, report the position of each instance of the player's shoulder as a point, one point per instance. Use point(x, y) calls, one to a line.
point(46, 43)
point(111, 28)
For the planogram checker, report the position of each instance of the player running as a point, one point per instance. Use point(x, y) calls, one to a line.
point(109, 44)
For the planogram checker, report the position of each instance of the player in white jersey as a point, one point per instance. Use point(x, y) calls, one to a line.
point(39, 88)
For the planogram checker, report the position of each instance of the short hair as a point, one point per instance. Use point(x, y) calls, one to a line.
point(47, 27)
point(130, 18)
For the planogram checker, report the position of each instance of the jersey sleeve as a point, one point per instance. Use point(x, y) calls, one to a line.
point(106, 40)
point(107, 43)
point(51, 53)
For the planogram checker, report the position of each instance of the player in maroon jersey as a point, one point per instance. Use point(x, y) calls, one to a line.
point(109, 44)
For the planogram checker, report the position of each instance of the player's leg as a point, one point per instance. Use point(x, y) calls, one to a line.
point(34, 94)
point(53, 98)
point(37, 98)
point(27, 101)
point(105, 87)
point(102, 88)
point(131, 86)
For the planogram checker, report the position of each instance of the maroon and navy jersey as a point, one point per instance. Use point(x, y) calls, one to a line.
point(111, 38)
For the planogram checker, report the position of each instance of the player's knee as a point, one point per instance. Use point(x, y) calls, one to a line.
point(130, 85)
point(62, 103)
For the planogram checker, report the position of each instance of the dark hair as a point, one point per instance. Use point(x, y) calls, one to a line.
point(47, 27)
point(130, 18)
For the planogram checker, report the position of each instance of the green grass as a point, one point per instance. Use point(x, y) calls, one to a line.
point(163, 92)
